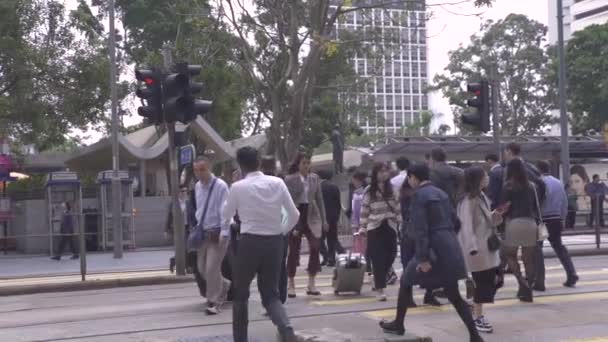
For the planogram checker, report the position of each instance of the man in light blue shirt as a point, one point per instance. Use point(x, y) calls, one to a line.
point(210, 194)
point(554, 210)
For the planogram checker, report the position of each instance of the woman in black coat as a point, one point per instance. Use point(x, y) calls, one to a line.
point(408, 243)
point(438, 261)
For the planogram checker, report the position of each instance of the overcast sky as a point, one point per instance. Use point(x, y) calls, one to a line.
point(450, 26)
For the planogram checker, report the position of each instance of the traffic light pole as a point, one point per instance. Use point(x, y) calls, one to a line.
point(116, 193)
point(495, 119)
point(178, 219)
point(563, 114)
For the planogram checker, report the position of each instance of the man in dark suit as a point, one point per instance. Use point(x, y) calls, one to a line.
point(333, 209)
point(513, 151)
point(448, 178)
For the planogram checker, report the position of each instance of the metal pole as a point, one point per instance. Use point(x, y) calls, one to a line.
point(596, 219)
point(82, 238)
point(178, 219)
point(495, 119)
point(563, 114)
point(116, 193)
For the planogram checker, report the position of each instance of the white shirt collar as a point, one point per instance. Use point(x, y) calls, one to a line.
point(254, 174)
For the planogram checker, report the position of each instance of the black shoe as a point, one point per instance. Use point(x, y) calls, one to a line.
point(525, 294)
point(324, 263)
point(56, 258)
point(392, 328)
point(74, 257)
point(172, 265)
point(331, 264)
point(539, 288)
point(431, 300)
point(571, 282)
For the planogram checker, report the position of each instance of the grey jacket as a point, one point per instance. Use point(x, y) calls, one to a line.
point(316, 208)
point(450, 179)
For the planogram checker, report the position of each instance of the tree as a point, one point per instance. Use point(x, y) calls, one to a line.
point(511, 52)
point(53, 72)
point(196, 37)
point(587, 73)
point(283, 44)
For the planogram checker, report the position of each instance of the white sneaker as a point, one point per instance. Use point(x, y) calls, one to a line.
point(212, 310)
point(381, 296)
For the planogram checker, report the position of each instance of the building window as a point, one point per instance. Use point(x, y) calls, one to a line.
point(406, 69)
point(388, 68)
point(398, 86)
point(388, 85)
point(379, 85)
point(415, 86)
point(407, 102)
point(590, 13)
point(425, 103)
point(389, 102)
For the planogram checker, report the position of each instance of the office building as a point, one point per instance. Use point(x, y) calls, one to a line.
point(394, 83)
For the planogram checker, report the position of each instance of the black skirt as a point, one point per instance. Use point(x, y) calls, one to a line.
point(485, 286)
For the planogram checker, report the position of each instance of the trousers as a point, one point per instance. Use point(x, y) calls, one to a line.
point(260, 256)
point(209, 263)
point(555, 228)
point(382, 246)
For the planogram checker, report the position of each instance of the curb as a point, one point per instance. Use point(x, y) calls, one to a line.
point(92, 285)
point(581, 252)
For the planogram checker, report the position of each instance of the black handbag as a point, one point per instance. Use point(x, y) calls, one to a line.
point(494, 242)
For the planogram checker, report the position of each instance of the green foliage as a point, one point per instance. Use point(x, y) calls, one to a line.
point(198, 39)
point(511, 52)
point(52, 79)
point(35, 182)
point(587, 73)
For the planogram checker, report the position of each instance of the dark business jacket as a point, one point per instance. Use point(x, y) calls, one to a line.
point(332, 201)
point(495, 187)
point(450, 179)
point(433, 222)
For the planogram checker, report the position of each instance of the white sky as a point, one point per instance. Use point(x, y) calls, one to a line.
point(446, 32)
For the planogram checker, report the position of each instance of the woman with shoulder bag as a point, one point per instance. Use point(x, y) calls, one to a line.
point(380, 220)
point(438, 261)
point(479, 242)
point(521, 229)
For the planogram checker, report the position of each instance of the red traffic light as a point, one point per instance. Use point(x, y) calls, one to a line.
point(149, 81)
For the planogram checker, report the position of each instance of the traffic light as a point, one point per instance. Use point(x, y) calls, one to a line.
point(480, 118)
point(179, 90)
point(151, 95)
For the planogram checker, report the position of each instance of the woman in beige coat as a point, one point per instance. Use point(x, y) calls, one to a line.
point(479, 242)
point(305, 190)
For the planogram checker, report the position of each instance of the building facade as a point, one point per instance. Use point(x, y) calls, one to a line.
point(395, 72)
point(578, 14)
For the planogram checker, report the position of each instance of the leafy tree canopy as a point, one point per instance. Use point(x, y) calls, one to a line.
point(512, 53)
point(587, 73)
point(53, 71)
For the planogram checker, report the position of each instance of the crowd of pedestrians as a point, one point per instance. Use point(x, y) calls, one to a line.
point(449, 223)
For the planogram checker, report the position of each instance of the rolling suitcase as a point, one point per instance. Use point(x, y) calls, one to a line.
point(349, 273)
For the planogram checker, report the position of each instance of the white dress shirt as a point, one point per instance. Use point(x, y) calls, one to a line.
point(397, 182)
point(264, 205)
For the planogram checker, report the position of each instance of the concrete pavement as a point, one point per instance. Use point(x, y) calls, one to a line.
point(175, 312)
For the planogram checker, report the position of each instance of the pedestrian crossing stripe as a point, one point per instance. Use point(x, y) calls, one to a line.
point(562, 298)
point(371, 299)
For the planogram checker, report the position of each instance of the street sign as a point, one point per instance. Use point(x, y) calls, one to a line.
point(186, 155)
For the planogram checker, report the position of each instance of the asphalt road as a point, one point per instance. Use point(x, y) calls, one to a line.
point(175, 313)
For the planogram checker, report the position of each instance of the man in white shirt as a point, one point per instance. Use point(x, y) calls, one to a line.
point(397, 182)
point(210, 194)
point(259, 200)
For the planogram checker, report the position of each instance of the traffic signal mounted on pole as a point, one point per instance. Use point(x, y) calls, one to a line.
point(179, 91)
point(480, 101)
point(151, 95)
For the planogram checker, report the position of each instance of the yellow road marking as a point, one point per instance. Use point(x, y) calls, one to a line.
point(389, 313)
point(92, 277)
point(592, 339)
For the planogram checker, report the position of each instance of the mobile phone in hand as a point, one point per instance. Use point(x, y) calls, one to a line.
point(503, 208)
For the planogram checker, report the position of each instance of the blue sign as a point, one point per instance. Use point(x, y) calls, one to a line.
point(186, 155)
